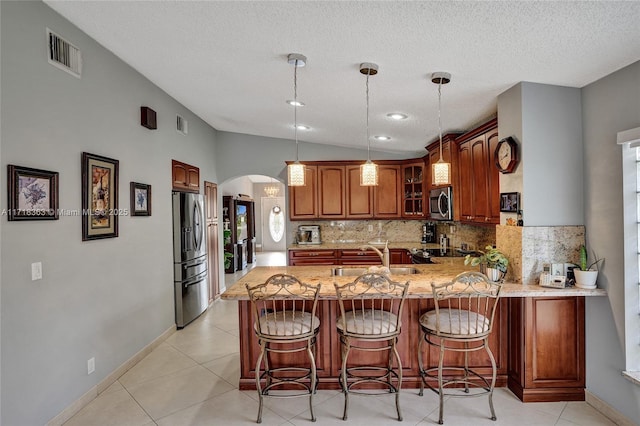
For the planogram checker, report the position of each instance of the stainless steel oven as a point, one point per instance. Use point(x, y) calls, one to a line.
point(441, 203)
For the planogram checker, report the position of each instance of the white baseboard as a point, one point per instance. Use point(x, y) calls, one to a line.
point(607, 410)
point(96, 390)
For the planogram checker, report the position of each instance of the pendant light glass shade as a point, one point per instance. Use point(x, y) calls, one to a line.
point(440, 170)
point(369, 174)
point(368, 170)
point(295, 171)
point(295, 174)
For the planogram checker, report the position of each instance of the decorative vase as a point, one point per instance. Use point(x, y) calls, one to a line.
point(585, 279)
point(494, 274)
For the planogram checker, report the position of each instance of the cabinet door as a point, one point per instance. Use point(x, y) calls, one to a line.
point(466, 181)
point(331, 190)
point(185, 177)
point(386, 196)
point(413, 191)
point(494, 178)
point(359, 199)
point(480, 189)
point(303, 202)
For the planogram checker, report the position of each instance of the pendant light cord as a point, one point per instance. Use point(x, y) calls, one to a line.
point(439, 117)
point(295, 105)
point(368, 140)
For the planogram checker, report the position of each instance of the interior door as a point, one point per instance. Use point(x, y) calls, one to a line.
point(273, 224)
point(211, 202)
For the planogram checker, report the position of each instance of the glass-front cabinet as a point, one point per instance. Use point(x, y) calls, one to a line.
point(413, 187)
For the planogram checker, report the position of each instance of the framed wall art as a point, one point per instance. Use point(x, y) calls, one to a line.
point(99, 197)
point(33, 193)
point(140, 199)
point(509, 202)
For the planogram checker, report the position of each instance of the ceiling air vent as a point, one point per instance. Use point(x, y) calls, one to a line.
point(63, 54)
point(182, 125)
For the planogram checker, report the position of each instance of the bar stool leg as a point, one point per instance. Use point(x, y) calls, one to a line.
point(395, 352)
point(345, 386)
point(440, 389)
point(493, 378)
point(421, 363)
point(466, 367)
point(312, 376)
point(263, 346)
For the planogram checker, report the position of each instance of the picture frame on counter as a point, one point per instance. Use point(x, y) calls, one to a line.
point(140, 194)
point(99, 197)
point(32, 193)
point(509, 202)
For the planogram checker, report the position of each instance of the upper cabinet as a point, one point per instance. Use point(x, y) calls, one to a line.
point(331, 192)
point(478, 175)
point(387, 201)
point(185, 177)
point(413, 187)
point(303, 200)
point(359, 199)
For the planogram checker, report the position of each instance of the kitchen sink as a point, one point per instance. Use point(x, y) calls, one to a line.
point(354, 272)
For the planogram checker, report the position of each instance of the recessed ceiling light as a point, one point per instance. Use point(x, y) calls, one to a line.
point(295, 103)
point(303, 127)
point(397, 116)
point(382, 138)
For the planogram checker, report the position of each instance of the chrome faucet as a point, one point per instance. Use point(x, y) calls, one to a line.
point(384, 254)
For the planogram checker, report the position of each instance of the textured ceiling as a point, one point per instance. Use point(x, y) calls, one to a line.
point(226, 60)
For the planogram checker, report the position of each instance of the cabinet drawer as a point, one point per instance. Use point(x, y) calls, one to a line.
point(303, 254)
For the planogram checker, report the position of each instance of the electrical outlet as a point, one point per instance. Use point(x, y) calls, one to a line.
point(91, 365)
point(36, 271)
point(370, 228)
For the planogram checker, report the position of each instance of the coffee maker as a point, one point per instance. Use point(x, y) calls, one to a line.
point(428, 233)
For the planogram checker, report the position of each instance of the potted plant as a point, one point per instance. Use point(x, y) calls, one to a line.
point(584, 272)
point(493, 263)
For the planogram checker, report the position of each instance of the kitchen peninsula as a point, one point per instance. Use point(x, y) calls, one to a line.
point(538, 341)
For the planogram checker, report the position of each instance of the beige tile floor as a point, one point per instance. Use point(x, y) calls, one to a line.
point(192, 379)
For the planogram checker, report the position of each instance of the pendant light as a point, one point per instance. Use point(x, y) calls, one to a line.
point(271, 190)
point(368, 170)
point(295, 171)
point(441, 172)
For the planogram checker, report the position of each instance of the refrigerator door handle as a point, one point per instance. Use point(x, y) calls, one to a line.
point(197, 234)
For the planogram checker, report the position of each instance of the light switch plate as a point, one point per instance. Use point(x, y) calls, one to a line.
point(36, 271)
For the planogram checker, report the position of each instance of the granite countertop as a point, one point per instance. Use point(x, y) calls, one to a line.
point(350, 244)
point(419, 284)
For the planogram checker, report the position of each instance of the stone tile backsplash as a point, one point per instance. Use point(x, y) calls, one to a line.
point(529, 247)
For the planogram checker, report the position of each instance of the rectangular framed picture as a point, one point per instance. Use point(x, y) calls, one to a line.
point(509, 202)
point(33, 193)
point(140, 199)
point(99, 197)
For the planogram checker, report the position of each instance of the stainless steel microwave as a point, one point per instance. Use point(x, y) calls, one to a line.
point(441, 203)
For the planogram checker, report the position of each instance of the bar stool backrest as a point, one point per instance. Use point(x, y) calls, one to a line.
point(465, 307)
point(284, 306)
point(371, 306)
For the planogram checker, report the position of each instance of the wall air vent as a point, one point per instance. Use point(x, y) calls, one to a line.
point(63, 54)
point(182, 125)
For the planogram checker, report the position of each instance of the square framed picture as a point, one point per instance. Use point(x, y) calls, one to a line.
point(140, 199)
point(33, 193)
point(509, 202)
point(99, 197)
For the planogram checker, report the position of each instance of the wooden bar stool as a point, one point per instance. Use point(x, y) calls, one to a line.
point(461, 321)
point(285, 322)
point(370, 311)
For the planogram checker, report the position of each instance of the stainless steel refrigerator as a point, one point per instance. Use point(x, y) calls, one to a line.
point(189, 257)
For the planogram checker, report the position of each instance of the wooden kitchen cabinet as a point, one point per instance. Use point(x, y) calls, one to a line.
point(413, 201)
point(312, 257)
point(546, 358)
point(185, 177)
point(387, 196)
point(331, 192)
point(478, 176)
point(358, 199)
point(400, 257)
point(303, 200)
point(358, 257)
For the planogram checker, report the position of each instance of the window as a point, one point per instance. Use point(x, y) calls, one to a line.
point(276, 223)
point(630, 140)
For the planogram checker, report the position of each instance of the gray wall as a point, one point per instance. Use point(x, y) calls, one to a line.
point(610, 105)
point(106, 298)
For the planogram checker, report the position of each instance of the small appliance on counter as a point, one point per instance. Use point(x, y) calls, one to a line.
point(309, 234)
point(428, 233)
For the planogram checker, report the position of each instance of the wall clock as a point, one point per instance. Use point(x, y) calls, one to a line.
point(506, 155)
